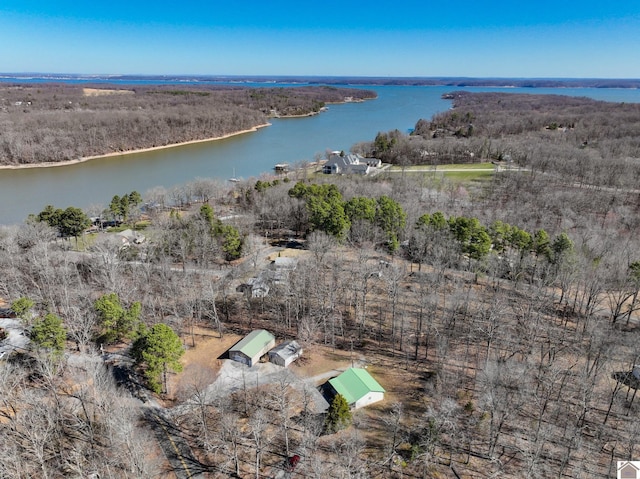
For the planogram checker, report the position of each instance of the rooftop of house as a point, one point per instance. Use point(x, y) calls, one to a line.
point(349, 159)
point(354, 384)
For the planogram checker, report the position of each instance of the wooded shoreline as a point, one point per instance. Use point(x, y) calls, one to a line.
point(64, 124)
point(51, 164)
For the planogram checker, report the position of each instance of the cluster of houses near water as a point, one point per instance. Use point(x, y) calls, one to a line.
point(356, 385)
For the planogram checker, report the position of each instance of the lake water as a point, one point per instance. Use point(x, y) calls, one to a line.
point(286, 141)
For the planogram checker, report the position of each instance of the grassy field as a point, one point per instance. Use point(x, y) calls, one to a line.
point(462, 172)
point(468, 175)
point(458, 166)
point(456, 172)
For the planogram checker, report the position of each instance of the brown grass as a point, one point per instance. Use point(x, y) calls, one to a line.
point(101, 91)
point(288, 253)
point(319, 359)
point(200, 363)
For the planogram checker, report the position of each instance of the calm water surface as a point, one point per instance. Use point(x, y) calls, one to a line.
point(286, 140)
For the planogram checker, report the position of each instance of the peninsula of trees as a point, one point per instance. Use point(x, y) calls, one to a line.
point(41, 123)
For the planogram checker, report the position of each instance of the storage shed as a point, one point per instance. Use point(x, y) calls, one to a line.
point(358, 387)
point(252, 347)
point(285, 353)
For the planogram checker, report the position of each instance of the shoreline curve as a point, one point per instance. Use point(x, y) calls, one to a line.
point(53, 164)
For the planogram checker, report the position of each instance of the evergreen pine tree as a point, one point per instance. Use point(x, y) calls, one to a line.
point(49, 333)
point(338, 415)
point(159, 350)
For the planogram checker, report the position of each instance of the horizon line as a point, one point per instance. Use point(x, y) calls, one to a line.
point(253, 76)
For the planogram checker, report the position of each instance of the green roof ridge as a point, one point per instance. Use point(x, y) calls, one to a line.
point(354, 384)
point(253, 342)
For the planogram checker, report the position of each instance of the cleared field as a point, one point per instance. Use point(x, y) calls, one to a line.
point(456, 172)
point(100, 92)
point(456, 167)
point(468, 175)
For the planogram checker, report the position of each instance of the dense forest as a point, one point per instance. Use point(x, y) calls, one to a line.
point(58, 122)
point(501, 315)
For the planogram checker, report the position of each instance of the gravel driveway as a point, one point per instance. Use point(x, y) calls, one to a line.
point(233, 377)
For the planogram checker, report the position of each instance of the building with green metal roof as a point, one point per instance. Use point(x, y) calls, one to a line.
point(252, 347)
point(358, 387)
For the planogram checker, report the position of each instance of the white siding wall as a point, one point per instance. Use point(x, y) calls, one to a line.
point(370, 398)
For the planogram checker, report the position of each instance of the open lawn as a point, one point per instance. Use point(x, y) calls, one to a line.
point(456, 172)
point(320, 361)
point(467, 175)
point(456, 167)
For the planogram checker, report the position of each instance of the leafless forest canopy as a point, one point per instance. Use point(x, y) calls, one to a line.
point(57, 122)
point(588, 141)
point(497, 363)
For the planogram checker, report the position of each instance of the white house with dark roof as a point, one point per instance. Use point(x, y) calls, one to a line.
point(15, 337)
point(129, 237)
point(339, 163)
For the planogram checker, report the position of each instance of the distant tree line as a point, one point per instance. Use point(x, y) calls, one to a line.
point(387, 80)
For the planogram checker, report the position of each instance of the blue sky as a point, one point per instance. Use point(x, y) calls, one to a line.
point(478, 38)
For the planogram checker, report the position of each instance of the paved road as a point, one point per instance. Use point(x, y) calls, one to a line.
point(173, 444)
